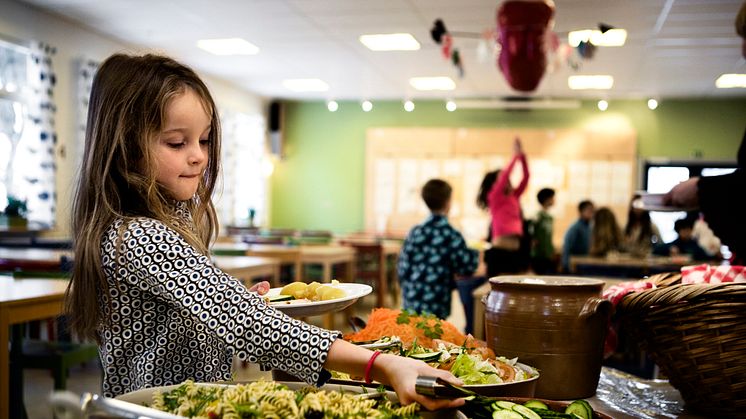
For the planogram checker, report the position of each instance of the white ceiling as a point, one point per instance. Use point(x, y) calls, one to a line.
point(675, 48)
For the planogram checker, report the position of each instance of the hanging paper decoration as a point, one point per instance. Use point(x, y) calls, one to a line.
point(586, 49)
point(442, 37)
point(522, 27)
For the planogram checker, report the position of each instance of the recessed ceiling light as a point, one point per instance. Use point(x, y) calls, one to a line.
point(367, 106)
point(610, 38)
point(228, 46)
point(432, 83)
point(390, 42)
point(599, 82)
point(451, 106)
point(409, 106)
point(652, 104)
point(332, 105)
point(729, 81)
point(603, 105)
point(306, 85)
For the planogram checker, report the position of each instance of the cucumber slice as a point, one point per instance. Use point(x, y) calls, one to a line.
point(280, 297)
point(550, 414)
point(537, 404)
point(502, 404)
point(427, 356)
point(506, 414)
point(580, 408)
point(526, 412)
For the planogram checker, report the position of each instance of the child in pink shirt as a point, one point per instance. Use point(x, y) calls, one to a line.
point(506, 227)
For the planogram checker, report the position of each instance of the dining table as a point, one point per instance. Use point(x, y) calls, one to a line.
point(247, 268)
point(629, 266)
point(21, 301)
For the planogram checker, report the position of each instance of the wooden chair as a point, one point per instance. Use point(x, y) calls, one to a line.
point(371, 267)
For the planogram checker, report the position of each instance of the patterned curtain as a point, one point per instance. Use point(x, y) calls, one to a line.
point(86, 71)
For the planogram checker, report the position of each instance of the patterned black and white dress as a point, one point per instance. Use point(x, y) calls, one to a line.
point(175, 316)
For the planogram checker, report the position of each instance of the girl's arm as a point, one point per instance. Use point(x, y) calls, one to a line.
point(498, 188)
point(397, 371)
point(522, 186)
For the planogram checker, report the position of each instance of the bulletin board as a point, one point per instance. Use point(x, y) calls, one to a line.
point(595, 163)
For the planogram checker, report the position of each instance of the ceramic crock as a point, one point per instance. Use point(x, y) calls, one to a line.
point(555, 324)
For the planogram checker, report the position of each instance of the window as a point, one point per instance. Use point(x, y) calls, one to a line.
point(661, 177)
point(26, 140)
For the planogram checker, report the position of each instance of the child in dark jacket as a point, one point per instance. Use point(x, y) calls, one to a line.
point(432, 255)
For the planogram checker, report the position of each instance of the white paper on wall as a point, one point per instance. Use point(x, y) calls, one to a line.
point(474, 171)
point(384, 184)
point(429, 169)
point(621, 182)
point(408, 193)
point(452, 167)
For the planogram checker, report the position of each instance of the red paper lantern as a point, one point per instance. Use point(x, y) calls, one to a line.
point(522, 26)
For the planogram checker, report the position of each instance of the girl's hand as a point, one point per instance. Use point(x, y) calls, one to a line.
point(401, 374)
point(517, 147)
point(260, 288)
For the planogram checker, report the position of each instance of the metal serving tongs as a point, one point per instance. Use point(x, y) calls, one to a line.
point(68, 405)
point(440, 388)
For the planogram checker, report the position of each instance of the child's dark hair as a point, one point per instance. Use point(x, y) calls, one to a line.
point(683, 224)
point(436, 193)
point(544, 195)
point(484, 189)
point(584, 204)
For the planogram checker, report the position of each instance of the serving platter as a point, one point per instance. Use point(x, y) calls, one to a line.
point(523, 388)
point(654, 202)
point(144, 396)
point(557, 406)
point(307, 308)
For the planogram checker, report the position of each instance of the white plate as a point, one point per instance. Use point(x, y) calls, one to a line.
point(315, 308)
point(654, 202)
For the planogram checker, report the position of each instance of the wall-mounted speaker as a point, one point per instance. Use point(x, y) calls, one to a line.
point(275, 123)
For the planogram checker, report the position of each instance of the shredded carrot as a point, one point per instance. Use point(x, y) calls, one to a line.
point(382, 322)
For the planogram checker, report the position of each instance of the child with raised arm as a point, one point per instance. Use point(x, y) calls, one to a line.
point(143, 284)
point(506, 225)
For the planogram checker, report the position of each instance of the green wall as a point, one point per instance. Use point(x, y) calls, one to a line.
point(319, 184)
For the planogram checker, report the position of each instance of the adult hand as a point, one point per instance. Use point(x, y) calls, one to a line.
point(260, 288)
point(517, 147)
point(401, 374)
point(683, 195)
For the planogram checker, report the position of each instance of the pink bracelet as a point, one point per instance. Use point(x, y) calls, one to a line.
point(369, 367)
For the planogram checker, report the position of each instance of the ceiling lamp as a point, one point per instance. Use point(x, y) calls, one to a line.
point(409, 106)
point(228, 46)
point(367, 106)
point(652, 104)
point(603, 105)
point(332, 105)
point(432, 83)
point(600, 82)
point(390, 42)
point(729, 81)
point(306, 85)
point(451, 106)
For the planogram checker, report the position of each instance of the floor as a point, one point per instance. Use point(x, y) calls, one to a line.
point(87, 378)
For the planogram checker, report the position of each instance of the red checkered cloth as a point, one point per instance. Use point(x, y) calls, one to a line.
point(615, 293)
point(708, 274)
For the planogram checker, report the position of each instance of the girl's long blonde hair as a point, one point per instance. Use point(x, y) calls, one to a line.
point(606, 235)
point(117, 180)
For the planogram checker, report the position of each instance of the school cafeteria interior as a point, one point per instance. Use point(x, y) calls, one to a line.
point(511, 175)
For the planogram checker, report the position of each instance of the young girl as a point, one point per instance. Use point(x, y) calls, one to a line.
point(143, 285)
point(640, 233)
point(506, 228)
point(606, 236)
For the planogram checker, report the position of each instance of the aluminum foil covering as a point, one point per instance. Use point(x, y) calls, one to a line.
point(638, 397)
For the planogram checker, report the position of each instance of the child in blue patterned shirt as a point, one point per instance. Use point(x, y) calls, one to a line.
point(432, 255)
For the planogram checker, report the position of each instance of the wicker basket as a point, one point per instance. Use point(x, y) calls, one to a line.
point(697, 336)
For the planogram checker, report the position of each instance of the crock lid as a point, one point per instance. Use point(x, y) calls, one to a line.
point(538, 280)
